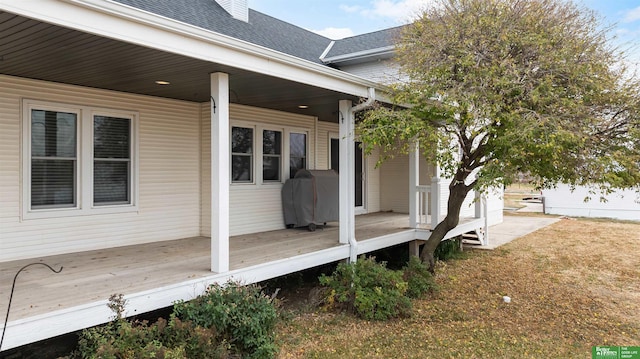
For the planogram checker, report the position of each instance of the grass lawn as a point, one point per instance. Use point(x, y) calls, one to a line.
point(573, 285)
point(514, 194)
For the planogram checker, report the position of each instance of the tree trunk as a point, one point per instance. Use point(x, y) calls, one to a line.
point(457, 193)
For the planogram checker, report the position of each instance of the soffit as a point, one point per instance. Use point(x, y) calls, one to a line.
point(34, 49)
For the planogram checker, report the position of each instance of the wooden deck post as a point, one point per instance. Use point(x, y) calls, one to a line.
point(414, 181)
point(347, 175)
point(220, 172)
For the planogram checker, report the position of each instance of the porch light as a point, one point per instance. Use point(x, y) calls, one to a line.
point(160, 82)
point(303, 106)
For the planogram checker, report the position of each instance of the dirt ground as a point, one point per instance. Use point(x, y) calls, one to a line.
point(573, 285)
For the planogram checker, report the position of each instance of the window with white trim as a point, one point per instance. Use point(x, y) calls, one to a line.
point(271, 156)
point(77, 160)
point(54, 159)
point(111, 160)
point(242, 154)
point(264, 154)
point(297, 152)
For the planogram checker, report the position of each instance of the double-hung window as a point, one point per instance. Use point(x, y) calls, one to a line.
point(77, 160)
point(242, 154)
point(111, 160)
point(271, 155)
point(297, 152)
point(54, 159)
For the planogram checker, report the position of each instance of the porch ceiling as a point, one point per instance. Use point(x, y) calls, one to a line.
point(33, 49)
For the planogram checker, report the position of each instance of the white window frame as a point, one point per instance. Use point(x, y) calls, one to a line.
point(260, 149)
point(258, 154)
point(254, 153)
point(84, 154)
point(288, 148)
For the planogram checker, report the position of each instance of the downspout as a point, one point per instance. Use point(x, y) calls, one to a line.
point(371, 98)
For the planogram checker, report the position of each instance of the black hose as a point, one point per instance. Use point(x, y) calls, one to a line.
point(13, 286)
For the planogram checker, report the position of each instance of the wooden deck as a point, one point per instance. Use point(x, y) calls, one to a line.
point(154, 275)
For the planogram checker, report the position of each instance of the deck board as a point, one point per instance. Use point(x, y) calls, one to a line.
point(94, 275)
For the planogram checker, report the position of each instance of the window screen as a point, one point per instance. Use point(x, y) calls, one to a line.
point(53, 159)
point(297, 152)
point(271, 155)
point(241, 154)
point(111, 160)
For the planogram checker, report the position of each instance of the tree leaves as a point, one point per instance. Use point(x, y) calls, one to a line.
point(517, 86)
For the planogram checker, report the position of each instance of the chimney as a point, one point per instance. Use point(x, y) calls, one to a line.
point(237, 8)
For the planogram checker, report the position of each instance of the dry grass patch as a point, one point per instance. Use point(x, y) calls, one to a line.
point(573, 285)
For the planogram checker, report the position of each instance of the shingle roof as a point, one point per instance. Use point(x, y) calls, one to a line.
point(262, 29)
point(374, 40)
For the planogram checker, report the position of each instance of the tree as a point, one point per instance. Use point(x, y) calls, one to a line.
point(513, 86)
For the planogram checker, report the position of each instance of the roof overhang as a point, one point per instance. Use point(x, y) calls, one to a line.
point(381, 53)
point(105, 44)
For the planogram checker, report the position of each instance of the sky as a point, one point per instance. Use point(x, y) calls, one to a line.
point(343, 18)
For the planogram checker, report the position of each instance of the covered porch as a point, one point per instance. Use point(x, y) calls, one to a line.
point(154, 275)
point(175, 235)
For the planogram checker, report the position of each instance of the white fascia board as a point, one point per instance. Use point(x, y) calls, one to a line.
point(382, 51)
point(125, 23)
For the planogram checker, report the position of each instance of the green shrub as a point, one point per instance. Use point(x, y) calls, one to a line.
point(449, 249)
point(369, 289)
point(229, 318)
point(243, 316)
point(419, 279)
point(123, 339)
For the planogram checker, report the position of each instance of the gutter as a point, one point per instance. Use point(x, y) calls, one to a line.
point(371, 98)
point(387, 50)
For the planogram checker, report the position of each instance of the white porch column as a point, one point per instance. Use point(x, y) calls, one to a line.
point(436, 183)
point(347, 174)
point(481, 211)
point(414, 181)
point(220, 172)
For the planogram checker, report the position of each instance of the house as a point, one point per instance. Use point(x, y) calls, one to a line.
point(144, 144)
point(579, 202)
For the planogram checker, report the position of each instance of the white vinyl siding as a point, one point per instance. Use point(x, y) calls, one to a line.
point(382, 71)
point(373, 189)
point(325, 130)
point(169, 173)
point(394, 183)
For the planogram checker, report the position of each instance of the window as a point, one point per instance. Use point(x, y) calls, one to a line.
point(259, 153)
point(77, 160)
point(111, 160)
point(297, 152)
point(54, 160)
point(241, 154)
point(271, 154)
